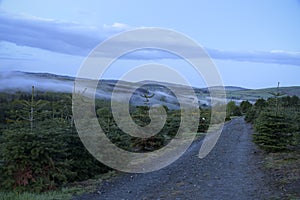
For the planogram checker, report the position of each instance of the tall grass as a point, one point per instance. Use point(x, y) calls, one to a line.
point(31, 196)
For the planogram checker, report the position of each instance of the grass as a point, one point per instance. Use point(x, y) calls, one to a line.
point(284, 167)
point(65, 193)
point(30, 196)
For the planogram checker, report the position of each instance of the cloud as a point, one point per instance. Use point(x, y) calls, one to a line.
point(273, 57)
point(76, 39)
point(12, 58)
point(270, 57)
point(52, 35)
point(116, 27)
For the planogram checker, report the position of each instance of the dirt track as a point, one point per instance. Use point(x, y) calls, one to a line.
point(232, 170)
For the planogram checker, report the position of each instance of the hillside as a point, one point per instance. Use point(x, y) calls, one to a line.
point(265, 93)
point(22, 81)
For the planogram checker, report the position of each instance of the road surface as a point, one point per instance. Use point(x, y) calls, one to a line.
point(232, 170)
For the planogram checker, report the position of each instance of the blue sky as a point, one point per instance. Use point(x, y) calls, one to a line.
point(254, 44)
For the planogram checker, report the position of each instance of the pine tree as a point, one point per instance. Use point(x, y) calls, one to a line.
point(29, 109)
point(273, 132)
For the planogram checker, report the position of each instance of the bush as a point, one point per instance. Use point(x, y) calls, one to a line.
point(141, 118)
point(232, 110)
point(82, 164)
point(251, 115)
point(45, 158)
point(273, 132)
point(276, 122)
point(34, 161)
point(245, 106)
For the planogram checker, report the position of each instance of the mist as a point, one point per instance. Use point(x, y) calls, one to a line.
point(20, 81)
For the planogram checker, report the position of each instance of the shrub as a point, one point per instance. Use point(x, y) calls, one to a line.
point(45, 158)
point(260, 104)
point(245, 106)
point(141, 118)
point(273, 132)
point(251, 115)
point(204, 120)
point(232, 110)
point(34, 161)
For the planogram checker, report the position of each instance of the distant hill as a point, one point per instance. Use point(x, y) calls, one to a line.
point(234, 88)
point(227, 88)
point(22, 81)
point(265, 93)
point(48, 75)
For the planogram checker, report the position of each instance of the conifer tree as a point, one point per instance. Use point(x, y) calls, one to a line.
point(273, 126)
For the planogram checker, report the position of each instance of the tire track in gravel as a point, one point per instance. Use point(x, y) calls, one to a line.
point(232, 170)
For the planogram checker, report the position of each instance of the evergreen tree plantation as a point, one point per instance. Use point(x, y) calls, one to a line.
point(276, 122)
point(41, 150)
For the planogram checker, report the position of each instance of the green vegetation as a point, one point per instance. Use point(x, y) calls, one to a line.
point(65, 193)
point(42, 157)
point(277, 131)
point(232, 110)
point(276, 122)
point(32, 196)
point(245, 107)
point(40, 148)
point(284, 167)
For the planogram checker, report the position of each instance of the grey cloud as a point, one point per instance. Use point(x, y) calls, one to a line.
point(271, 57)
point(75, 39)
point(274, 57)
point(68, 38)
point(13, 58)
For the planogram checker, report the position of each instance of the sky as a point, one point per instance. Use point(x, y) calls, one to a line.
point(254, 44)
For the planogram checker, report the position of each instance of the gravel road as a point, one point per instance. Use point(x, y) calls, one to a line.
point(232, 170)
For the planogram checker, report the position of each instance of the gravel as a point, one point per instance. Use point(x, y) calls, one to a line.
point(232, 170)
